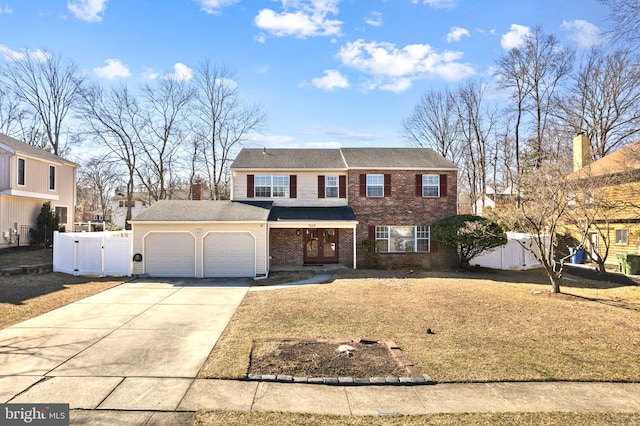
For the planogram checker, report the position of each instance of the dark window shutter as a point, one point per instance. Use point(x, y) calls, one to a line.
point(418, 185)
point(293, 186)
point(443, 185)
point(363, 185)
point(372, 232)
point(387, 185)
point(342, 186)
point(321, 186)
point(249, 186)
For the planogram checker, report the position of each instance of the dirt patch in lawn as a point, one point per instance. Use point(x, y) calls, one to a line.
point(326, 358)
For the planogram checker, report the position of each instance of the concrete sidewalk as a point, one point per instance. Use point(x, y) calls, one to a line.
point(130, 355)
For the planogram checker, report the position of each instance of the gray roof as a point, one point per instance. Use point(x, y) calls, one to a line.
point(395, 158)
point(312, 213)
point(30, 149)
point(355, 158)
point(251, 158)
point(204, 211)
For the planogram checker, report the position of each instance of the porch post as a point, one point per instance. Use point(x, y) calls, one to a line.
point(355, 245)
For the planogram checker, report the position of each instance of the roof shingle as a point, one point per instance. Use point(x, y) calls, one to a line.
point(205, 211)
point(30, 149)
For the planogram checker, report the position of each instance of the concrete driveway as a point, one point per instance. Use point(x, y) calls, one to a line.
point(135, 346)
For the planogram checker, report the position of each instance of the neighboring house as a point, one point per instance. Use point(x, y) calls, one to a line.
point(141, 200)
point(616, 195)
point(30, 176)
point(119, 205)
point(304, 207)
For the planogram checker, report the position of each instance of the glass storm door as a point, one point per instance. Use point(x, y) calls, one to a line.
point(321, 245)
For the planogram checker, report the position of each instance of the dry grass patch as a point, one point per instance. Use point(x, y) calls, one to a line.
point(211, 418)
point(500, 326)
point(27, 296)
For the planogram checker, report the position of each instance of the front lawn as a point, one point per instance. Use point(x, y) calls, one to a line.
point(489, 326)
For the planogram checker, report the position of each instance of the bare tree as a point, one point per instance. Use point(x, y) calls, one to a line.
point(624, 17)
point(101, 178)
point(477, 125)
point(222, 122)
point(165, 113)
point(435, 124)
point(604, 100)
point(511, 75)
point(533, 73)
point(542, 211)
point(48, 85)
point(114, 122)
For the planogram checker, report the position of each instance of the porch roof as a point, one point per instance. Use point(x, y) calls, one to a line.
point(324, 214)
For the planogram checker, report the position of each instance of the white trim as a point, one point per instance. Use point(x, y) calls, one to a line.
point(312, 224)
point(19, 193)
point(417, 169)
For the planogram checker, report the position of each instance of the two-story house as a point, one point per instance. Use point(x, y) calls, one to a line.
point(304, 207)
point(30, 176)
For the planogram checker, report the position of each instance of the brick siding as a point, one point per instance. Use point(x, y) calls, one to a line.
point(403, 208)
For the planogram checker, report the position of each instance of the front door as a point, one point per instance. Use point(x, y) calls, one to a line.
point(320, 246)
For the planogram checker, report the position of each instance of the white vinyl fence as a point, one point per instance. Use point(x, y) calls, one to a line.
point(510, 256)
point(92, 253)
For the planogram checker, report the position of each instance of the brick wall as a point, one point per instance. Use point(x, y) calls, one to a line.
point(403, 208)
point(287, 247)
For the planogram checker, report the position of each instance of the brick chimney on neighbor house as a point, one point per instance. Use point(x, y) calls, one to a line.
point(581, 151)
point(197, 191)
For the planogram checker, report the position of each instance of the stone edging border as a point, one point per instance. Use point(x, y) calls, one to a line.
point(415, 377)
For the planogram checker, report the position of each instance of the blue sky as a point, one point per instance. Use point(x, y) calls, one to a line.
point(327, 72)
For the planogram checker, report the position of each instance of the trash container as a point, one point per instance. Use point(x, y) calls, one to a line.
point(634, 263)
point(623, 263)
point(581, 254)
point(577, 256)
point(573, 259)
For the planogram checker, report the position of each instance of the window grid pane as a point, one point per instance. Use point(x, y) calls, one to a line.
point(331, 187)
point(430, 185)
point(375, 185)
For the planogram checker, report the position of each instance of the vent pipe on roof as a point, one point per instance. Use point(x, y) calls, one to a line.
point(264, 151)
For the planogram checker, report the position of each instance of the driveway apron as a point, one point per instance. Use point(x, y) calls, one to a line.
point(138, 345)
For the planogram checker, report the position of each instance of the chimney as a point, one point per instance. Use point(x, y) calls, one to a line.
point(197, 190)
point(581, 151)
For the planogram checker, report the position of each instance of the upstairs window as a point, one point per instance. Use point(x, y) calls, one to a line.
point(375, 186)
point(622, 236)
point(52, 178)
point(271, 186)
point(430, 185)
point(21, 165)
point(331, 187)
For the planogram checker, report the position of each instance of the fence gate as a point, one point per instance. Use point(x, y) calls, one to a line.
point(92, 253)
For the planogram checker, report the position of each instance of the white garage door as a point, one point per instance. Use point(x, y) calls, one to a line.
point(171, 254)
point(229, 255)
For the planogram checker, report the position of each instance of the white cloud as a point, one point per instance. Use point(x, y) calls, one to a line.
point(113, 69)
point(457, 33)
point(301, 19)
point(374, 18)
point(181, 72)
point(340, 133)
point(87, 10)
point(150, 74)
point(515, 37)
point(583, 33)
point(5, 9)
point(21, 55)
point(443, 4)
point(394, 69)
point(332, 80)
point(213, 7)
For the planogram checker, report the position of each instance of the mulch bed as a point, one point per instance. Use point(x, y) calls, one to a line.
point(322, 358)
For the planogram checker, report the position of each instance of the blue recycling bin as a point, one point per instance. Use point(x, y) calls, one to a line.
point(577, 256)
